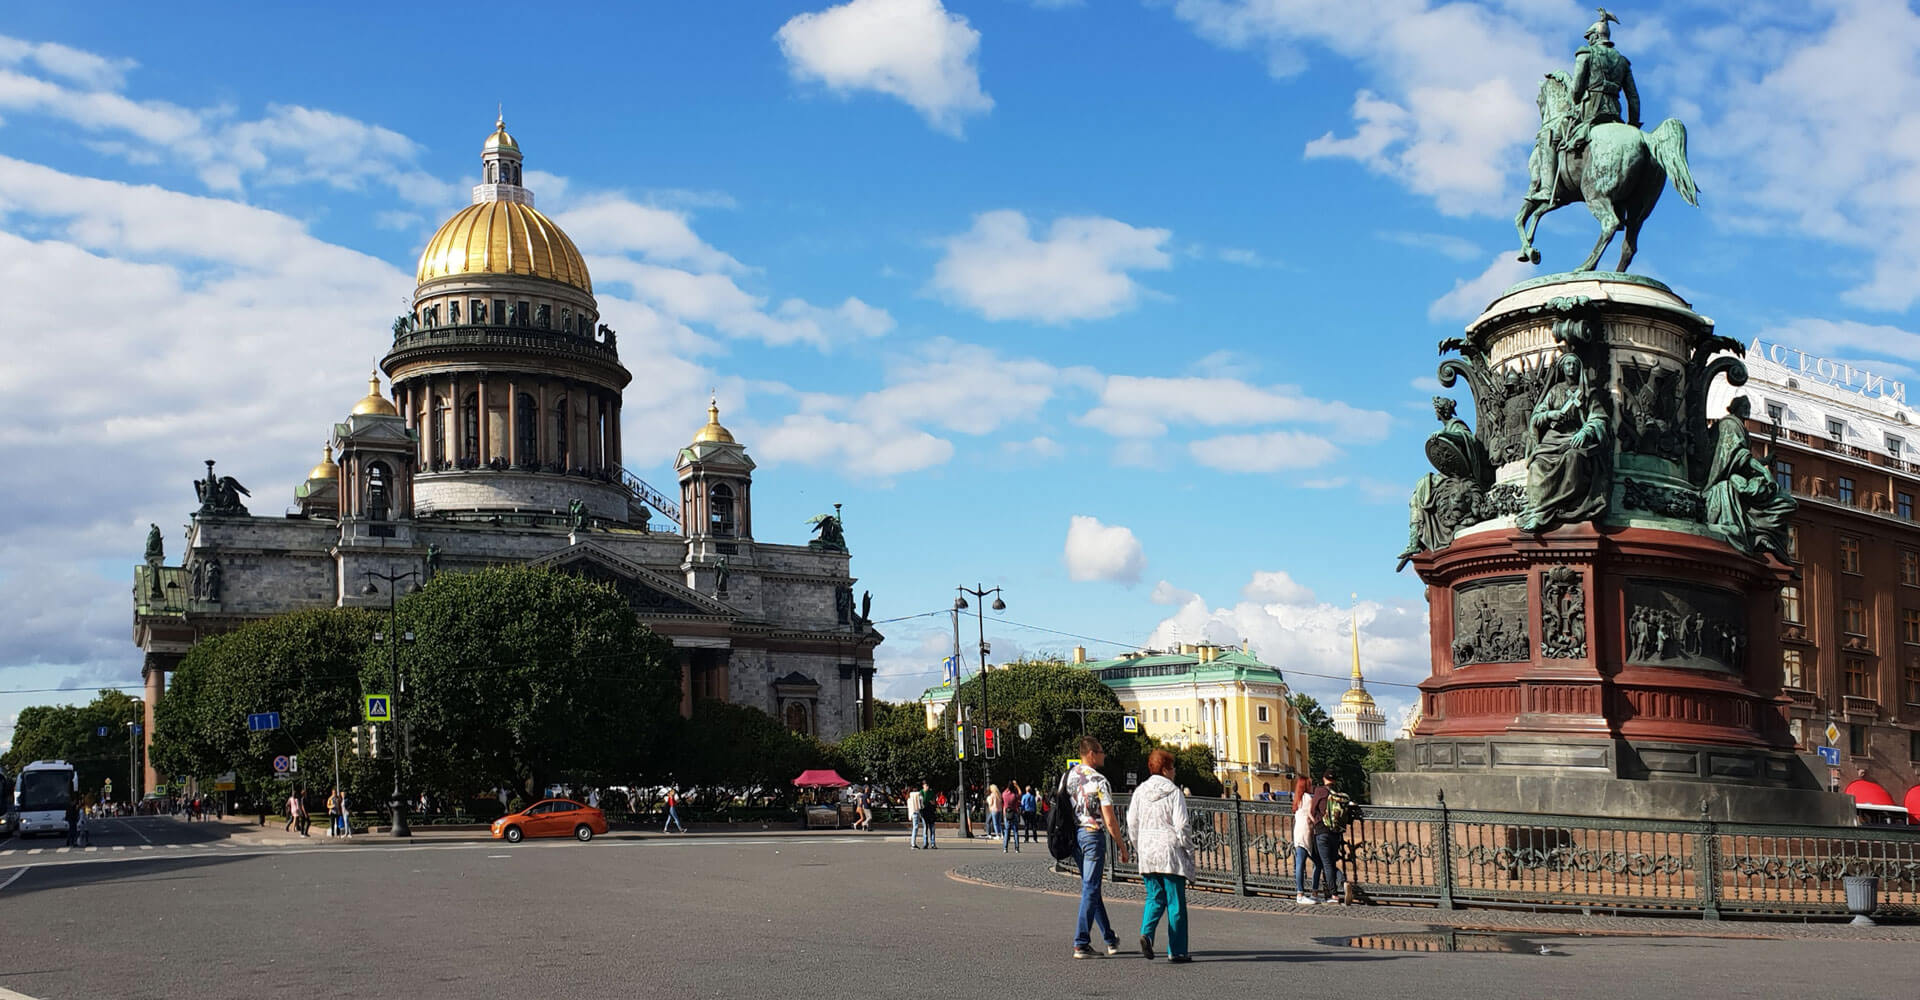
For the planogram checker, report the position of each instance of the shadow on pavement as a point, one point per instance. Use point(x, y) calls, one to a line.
point(54, 875)
point(1285, 956)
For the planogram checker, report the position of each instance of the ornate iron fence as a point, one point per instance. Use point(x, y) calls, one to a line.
point(1452, 858)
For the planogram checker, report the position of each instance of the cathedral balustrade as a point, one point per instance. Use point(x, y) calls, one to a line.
point(501, 336)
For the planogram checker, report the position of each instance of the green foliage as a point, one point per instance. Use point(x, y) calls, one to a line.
point(737, 747)
point(521, 676)
point(1047, 695)
point(1327, 750)
point(900, 751)
point(1379, 757)
point(303, 665)
point(71, 733)
point(1312, 715)
point(1193, 769)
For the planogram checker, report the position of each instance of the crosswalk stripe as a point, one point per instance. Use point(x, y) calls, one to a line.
point(36, 850)
point(146, 847)
point(119, 847)
point(90, 850)
point(62, 850)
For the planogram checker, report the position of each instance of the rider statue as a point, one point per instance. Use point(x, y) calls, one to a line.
point(1600, 76)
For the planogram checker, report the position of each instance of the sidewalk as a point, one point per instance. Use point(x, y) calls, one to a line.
point(1037, 875)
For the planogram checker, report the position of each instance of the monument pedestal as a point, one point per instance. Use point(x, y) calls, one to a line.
point(1591, 606)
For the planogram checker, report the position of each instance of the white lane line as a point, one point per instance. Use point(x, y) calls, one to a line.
point(62, 850)
point(12, 879)
point(146, 847)
point(119, 847)
point(136, 831)
point(36, 850)
point(89, 850)
point(7, 994)
point(499, 855)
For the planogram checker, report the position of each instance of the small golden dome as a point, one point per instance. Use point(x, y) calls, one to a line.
point(713, 431)
point(375, 404)
point(500, 139)
point(1357, 696)
point(503, 237)
point(326, 469)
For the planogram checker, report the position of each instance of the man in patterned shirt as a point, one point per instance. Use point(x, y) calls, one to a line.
point(1092, 797)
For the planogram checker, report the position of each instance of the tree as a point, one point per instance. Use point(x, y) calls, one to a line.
point(728, 748)
point(73, 733)
point(1193, 768)
point(1312, 715)
point(518, 676)
point(1379, 757)
point(304, 665)
point(1048, 695)
point(900, 751)
point(1327, 750)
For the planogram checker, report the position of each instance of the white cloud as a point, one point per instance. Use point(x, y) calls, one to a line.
point(1271, 451)
point(1835, 338)
point(1041, 447)
point(85, 68)
point(1144, 406)
point(718, 301)
point(867, 451)
point(1472, 295)
point(1452, 247)
point(1310, 640)
point(1276, 587)
point(915, 50)
point(1097, 551)
point(1080, 270)
point(614, 224)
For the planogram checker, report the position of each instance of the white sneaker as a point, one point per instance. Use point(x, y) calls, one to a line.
point(1305, 900)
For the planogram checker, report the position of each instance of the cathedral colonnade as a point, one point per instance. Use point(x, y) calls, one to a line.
point(531, 421)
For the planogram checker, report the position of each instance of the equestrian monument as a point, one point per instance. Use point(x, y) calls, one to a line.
point(1596, 552)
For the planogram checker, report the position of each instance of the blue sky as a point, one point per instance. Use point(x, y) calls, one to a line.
point(1129, 308)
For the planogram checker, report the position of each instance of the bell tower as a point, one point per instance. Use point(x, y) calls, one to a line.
point(716, 486)
point(376, 462)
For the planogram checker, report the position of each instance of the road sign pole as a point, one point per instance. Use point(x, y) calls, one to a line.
point(954, 704)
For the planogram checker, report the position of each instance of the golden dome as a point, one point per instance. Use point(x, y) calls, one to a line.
point(375, 404)
point(713, 431)
point(326, 469)
point(1357, 696)
point(500, 139)
point(503, 237)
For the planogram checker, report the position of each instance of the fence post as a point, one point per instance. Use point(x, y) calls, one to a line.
point(1706, 851)
point(1239, 848)
point(1443, 853)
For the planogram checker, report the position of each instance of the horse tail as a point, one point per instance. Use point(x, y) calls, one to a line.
point(1669, 146)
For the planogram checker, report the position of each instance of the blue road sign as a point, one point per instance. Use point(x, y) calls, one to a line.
point(1831, 755)
point(280, 764)
point(260, 721)
point(136, 729)
point(379, 708)
point(100, 731)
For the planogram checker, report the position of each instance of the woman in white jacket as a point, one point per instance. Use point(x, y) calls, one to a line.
point(1157, 825)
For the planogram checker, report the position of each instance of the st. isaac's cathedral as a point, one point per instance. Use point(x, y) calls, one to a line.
point(499, 442)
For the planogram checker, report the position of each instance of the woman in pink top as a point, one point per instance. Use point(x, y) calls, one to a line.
point(1010, 817)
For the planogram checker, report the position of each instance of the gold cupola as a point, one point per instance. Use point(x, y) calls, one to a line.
point(374, 404)
point(501, 232)
point(713, 431)
point(326, 469)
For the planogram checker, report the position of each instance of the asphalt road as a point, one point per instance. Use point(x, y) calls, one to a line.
point(737, 915)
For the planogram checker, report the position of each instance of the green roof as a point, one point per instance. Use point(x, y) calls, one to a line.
point(1162, 668)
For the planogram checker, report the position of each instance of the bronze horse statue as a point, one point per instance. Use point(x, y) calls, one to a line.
point(1619, 174)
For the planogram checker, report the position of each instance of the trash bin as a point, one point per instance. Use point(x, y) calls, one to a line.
point(1863, 893)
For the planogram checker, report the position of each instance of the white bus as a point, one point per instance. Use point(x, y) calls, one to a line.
point(41, 792)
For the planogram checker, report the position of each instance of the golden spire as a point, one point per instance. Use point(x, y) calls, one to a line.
point(1357, 692)
point(374, 404)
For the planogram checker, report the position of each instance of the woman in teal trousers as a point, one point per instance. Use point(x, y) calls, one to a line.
point(1157, 825)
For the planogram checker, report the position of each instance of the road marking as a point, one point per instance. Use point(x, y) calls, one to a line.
point(15, 877)
point(136, 831)
point(146, 847)
point(499, 855)
point(62, 850)
point(119, 847)
point(89, 850)
point(36, 850)
point(7, 994)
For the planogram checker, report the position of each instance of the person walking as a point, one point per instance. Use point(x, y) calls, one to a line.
point(346, 816)
point(1010, 817)
point(300, 807)
point(293, 809)
point(1303, 841)
point(993, 810)
point(673, 812)
point(1092, 798)
point(916, 821)
point(1030, 813)
point(930, 806)
point(1326, 840)
point(1157, 825)
point(333, 813)
point(73, 820)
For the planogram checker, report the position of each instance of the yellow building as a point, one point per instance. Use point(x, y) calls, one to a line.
point(1219, 696)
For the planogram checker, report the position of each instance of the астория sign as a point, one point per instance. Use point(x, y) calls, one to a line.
point(1833, 373)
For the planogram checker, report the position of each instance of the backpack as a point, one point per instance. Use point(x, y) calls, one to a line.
point(1340, 811)
point(1063, 827)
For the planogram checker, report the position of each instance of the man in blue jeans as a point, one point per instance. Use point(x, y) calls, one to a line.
point(1092, 797)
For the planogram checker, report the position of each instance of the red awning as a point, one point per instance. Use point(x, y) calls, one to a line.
point(831, 779)
point(1869, 793)
point(1912, 802)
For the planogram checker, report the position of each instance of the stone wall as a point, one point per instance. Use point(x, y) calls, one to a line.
point(484, 489)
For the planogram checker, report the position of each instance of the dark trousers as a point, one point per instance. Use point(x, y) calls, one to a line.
point(1326, 852)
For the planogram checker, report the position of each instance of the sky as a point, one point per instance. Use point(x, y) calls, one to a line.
point(1128, 308)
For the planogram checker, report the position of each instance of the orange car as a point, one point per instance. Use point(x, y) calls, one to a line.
point(551, 818)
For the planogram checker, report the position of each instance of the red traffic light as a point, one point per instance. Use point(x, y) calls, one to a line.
point(991, 738)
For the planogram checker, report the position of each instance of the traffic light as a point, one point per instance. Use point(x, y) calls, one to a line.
point(373, 741)
point(359, 742)
point(990, 747)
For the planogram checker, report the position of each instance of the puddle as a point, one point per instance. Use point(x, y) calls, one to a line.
point(1444, 940)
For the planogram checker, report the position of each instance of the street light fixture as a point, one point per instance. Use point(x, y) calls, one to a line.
point(392, 580)
point(979, 615)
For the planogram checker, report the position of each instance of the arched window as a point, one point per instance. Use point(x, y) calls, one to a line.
point(470, 426)
point(560, 423)
point(797, 718)
point(379, 491)
point(437, 450)
point(528, 448)
point(720, 510)
point(491, 175)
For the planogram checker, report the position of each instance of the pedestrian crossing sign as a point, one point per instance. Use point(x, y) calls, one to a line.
point(379, 708)
point(1130, 723)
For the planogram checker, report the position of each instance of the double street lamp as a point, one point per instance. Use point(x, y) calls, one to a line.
point(393, 641)
point(979, 616)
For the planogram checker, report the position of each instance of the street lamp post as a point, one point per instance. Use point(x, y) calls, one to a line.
point(393, 641)
point(979, 614)
point(133, 765)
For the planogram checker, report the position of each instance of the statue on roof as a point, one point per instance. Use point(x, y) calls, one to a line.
point(831, 538)
point(1586, 152)
point(220, 496)
point(156, 548)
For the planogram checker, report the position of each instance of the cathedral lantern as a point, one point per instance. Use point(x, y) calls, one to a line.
point(716, 484)
point(375, 474)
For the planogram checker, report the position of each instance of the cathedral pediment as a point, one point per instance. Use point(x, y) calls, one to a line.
point(649, 593)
